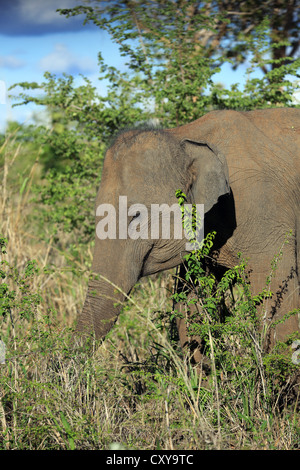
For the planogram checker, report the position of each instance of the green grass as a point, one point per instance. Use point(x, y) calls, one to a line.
point(134, 389)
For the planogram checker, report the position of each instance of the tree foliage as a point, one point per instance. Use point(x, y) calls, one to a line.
point(212, 25)
point(177, 46)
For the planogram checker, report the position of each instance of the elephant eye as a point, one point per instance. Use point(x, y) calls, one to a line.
point(135, 216)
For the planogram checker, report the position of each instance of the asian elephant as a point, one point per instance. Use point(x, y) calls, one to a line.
point(243, 166)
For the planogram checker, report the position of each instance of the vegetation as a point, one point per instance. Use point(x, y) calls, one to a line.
point(137, 389)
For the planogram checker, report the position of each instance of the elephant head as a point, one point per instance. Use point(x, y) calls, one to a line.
point(142, 169)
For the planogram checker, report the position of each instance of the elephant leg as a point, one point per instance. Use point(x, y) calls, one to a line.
point(192, 345)
point(285, 298)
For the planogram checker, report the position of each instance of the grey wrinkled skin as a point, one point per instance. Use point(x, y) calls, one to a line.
point(244, 167)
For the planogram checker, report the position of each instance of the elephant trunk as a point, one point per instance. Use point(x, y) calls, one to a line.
point(106, 290)
point(99, 310)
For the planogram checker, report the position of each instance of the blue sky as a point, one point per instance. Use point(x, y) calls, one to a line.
point(34, 38)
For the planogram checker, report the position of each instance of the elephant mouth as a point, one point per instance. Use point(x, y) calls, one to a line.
point(145, 265)
point(154, 262)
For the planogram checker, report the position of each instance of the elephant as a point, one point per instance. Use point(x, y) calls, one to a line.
point(243, 166)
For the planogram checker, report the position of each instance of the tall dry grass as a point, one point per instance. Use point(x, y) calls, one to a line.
point(135, 390)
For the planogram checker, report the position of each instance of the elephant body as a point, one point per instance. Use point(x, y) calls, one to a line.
point(243, 166)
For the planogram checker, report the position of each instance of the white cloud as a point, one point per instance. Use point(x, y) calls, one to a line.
point(63, 60)
point(44, 12)
point(38, 17)
point(11, 62)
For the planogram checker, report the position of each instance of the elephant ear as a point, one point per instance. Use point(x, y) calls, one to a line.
point(207, 173)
